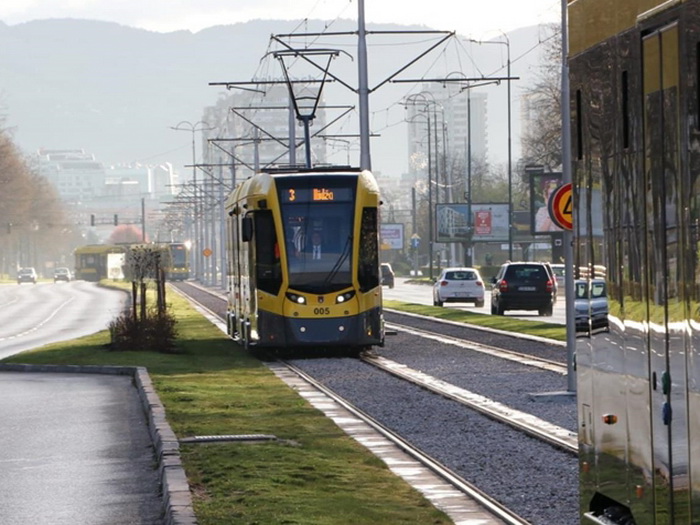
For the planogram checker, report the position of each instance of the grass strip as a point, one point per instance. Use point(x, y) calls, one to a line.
point(314, 474)
point(499, 322)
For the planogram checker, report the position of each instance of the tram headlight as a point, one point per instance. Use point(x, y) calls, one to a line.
point(296, 298)
point(344, 297)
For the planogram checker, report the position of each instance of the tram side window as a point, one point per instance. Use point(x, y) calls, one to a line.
point(697, 85)
point(368, 271)
point(579, 126)
point(625, 110)
point(267, 253)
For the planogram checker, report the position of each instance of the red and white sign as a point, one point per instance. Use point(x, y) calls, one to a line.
point(483, 222)
point(561, 207)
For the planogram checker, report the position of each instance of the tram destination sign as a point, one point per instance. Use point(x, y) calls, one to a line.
point(314, 194)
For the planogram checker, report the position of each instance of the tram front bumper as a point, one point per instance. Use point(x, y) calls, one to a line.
point(360, 330)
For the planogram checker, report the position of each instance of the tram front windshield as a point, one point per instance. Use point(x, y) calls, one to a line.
point(318, 219)
point(179, 255)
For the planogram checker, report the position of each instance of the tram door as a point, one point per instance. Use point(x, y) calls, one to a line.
point(664, 285)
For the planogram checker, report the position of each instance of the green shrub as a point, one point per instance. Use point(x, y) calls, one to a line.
point(156, 332)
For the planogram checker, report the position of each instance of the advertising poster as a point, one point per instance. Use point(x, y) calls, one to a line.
point(542, 185)
point(488, 223)
point(452, 222)
point(391, 237)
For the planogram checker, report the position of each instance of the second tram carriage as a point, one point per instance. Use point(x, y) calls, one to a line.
point(635, 99)
point(104, 261)
point(99, 261)
point(303, 257)
point(179, 264)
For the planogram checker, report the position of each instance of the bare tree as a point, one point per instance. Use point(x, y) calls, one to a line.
point(542, 134)
point(31, 213)
point(141, 328)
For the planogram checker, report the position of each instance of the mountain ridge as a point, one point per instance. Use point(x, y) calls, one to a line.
point(115, 90)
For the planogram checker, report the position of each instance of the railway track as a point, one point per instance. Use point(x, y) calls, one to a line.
point(553, 435)
point(512, 355)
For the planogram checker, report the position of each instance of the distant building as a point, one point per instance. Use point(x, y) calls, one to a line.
point(152, 182)
point(103, 194)
point(79, 177)
point(76, 175)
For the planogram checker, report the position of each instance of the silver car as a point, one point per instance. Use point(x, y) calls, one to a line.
point(61, 274)
point(26, 275)
point(591, 305)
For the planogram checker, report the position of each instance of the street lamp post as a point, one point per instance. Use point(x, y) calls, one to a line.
point(186, 125)
point(434, 103)
point(510, 142)
point(469, 255)
point(510, 160)
point(430, 186)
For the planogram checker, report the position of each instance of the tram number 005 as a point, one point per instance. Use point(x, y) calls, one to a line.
point(322, 311)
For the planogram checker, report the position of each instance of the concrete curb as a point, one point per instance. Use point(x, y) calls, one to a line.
point(176, 496)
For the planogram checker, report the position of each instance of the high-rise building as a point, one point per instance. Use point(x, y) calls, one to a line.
point(76, 175)
point(96, 194)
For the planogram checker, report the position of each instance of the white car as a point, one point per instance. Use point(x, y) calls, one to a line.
point(558, 270)
point(459, 285)
point(61, 274)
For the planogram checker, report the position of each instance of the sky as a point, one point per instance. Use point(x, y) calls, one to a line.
point(478, 19)
point(475, 18)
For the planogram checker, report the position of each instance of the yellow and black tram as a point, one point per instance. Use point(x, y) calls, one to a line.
point(99, 261)
point(635, 99)
point(94, 262)
point(303, 255)
point(179, 264)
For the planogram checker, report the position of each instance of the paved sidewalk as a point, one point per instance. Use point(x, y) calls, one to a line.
point(88, 448)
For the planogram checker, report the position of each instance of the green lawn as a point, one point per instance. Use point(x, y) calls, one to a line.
point(499, 322)
point(314, 473)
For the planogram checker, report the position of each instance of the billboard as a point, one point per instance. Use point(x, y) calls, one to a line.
point(542, 185)
point(391, 236)
point(488, 222)
point(452, 222)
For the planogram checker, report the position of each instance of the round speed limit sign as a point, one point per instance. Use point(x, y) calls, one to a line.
point(561, 206)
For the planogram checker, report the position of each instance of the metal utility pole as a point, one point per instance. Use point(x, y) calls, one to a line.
point(567, 178)
point(426, 113)
point(305, 115)
point(510, 162)
point(363, 90)
point(143, 220)
point(469, 260)
point(197, 240)
point(292, 134)
point(510, 140)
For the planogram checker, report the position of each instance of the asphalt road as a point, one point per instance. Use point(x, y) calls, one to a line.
point(32, 315)
point(75, 447)
point(75, 450)
point(423, 294)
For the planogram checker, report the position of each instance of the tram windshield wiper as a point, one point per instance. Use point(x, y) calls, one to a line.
point(342, 258)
